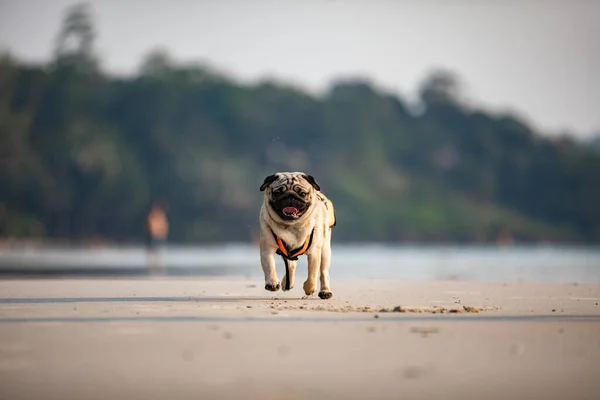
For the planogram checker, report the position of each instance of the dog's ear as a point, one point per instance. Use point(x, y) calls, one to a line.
point(268, 180)
point(311, 179)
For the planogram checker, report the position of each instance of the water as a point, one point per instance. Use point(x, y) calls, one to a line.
point(535, 263)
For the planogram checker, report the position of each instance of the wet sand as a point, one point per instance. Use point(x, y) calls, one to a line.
point(160, 338)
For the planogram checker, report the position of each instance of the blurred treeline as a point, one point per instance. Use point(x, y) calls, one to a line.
point(83, 154)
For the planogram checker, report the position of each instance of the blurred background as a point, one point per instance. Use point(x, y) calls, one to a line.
point(450, 135)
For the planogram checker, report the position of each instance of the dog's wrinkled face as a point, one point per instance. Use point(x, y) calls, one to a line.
point(290, 194)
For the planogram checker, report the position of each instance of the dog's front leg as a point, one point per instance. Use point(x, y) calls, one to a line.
point(267, 261)
point(314, 262)
point(325, 292)
point(289, 275)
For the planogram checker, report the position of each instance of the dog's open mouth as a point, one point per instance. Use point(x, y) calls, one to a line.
point(290, 211)
point(289, 207)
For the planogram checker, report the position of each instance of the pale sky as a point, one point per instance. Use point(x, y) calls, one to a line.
point(538, 57)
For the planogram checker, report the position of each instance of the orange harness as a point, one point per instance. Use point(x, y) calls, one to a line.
point(292, 255)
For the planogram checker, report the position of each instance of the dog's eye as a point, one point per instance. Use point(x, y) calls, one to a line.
point(302, 194)
point(277, 191)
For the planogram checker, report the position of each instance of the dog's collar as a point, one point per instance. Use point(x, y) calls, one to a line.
point(292, 255)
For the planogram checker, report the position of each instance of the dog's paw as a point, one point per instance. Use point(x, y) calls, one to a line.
point(273, 287)
point(309, 288)
point(325, 294)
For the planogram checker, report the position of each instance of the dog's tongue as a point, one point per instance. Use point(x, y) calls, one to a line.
point(290, 211)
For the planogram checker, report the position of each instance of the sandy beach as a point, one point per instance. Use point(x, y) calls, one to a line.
point(178, 338)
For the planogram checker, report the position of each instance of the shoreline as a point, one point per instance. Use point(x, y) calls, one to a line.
point(7, 244)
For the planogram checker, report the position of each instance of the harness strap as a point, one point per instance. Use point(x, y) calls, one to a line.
point(326, 202)
point(291, 255)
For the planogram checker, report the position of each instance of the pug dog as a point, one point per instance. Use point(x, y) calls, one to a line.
point(296, 219)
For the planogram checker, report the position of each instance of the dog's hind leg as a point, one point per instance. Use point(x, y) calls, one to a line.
point(325, 292)
point(314, 260)
point(290, 271)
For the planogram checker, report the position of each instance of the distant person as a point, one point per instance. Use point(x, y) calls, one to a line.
point(157, 230)
point(157, 224)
